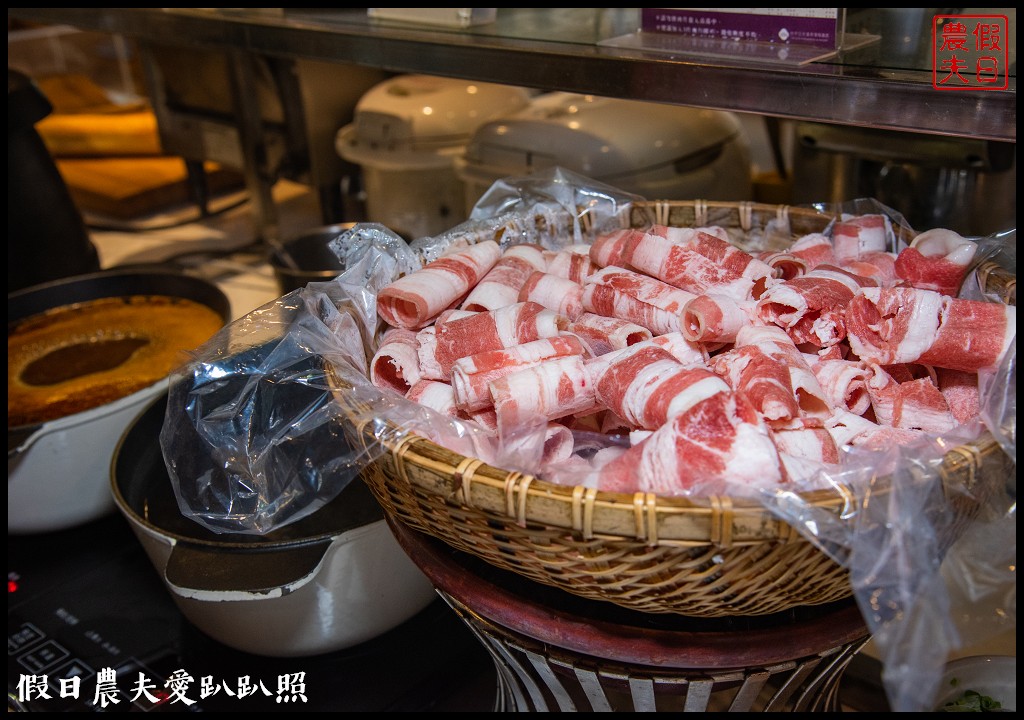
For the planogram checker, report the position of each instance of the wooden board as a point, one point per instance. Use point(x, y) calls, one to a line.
point(133, 187)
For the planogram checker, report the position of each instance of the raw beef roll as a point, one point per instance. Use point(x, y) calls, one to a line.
point(811, 308)
point(539, 447)
point(810, 396)
point(700, 263)
point(603, 334)
point(396, 364)
point(813, 250)
point(613, 249)
point(500, 286)
point(548, 391)
point(919, 405)
point(961, 392)
point(442, 344)
point(554, 292)
point(414, 300)
point(765, 381)
point(646, 386)
point(786, 265)
point(628, 295)
point(856, 236)
point(435, 395)
point(716, 443)
point(936, 260)
point(573, 263)
point(845, 383)
point(682, 349)
point(714, 318)
point(471, 375)
point(879, 267)
point(902, 325)
point(853, 430)
point(815, 444)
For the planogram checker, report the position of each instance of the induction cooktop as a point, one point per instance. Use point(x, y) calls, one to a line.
point(91, 627)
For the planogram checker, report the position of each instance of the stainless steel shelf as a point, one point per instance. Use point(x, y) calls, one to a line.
point(558, 49)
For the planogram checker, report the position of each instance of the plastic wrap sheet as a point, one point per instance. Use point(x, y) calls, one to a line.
point(253, 437)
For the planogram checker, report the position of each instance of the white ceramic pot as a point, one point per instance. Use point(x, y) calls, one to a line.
point(330, 581)
point(58, 472)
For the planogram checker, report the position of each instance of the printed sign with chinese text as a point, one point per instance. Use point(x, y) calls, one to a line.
point(797, 26)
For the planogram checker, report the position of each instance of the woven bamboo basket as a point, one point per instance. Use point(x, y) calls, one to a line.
point(700, 557)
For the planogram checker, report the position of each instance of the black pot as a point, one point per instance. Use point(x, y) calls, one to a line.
point(307, 258)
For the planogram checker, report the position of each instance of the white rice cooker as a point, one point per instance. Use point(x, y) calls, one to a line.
point(406, 134)
point(657, 151)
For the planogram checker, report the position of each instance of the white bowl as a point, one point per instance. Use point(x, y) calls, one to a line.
point(994, 676)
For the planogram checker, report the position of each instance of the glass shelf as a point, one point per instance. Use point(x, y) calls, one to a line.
point(885, 84)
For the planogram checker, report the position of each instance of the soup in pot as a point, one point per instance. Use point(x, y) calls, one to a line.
point(78, 357)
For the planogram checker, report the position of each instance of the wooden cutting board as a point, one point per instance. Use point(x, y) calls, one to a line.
point(133, 187)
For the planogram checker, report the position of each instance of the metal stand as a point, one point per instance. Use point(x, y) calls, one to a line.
point(557, 652)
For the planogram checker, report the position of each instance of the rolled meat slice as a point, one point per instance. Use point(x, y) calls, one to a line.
point(845, 383)
point(547, 391)
point(787, 265)
point(435, 395)
point(500, 286)
point(937, 260)
point(602, 334)
point(682, 348)
point(765, 381)
point(440, 345)
point(614, 248)
point(857, 235)
point(808, 443)
point(882, 389)
point(573, 263)
point(884, 383)
point(718, 446)
point(646, 386)
point(537, 447)
point(554, 292)
point(903, 325)
point(471, 375)
point(414, 300)
point(877, 266)
point(700, 263)
point(458, 437)
point(852, 430)
point(628, 295)
point(773, 341)
point(812, 308)
point(715, 318)
point(814, 249)
point(396, 364)
point(961, 392)
point(920, 406)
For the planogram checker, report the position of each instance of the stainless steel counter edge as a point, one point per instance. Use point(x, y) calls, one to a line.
point(827, 92)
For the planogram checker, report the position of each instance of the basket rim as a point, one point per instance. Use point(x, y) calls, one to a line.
point(683, 521)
